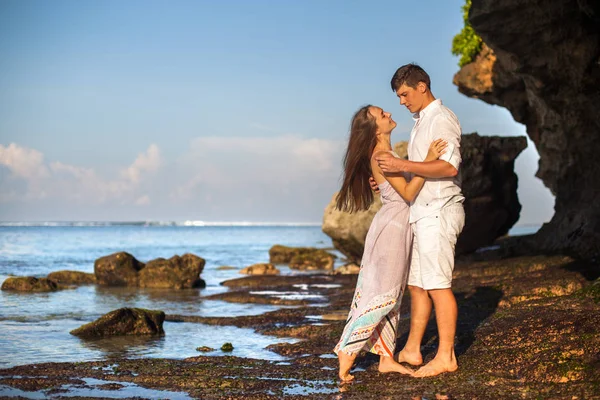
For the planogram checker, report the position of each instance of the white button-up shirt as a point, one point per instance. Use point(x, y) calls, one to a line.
point(435, 121)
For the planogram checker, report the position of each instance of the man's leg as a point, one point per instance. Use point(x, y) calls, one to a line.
point(446, 312)
point(420, 311)
point(439, 267)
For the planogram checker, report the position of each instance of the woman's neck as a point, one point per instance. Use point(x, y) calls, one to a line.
point(384, 145)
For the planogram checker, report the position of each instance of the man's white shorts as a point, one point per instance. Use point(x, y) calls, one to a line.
point(434, 240)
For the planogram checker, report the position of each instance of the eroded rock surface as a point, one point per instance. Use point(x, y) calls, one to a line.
point(542, 62)
point(119, 269)
point(176, 272)
point(260, 269)
point(72, 277)
point(29, 284)
point(124, 321)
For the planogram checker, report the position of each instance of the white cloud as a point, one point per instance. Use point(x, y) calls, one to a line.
point(217, 178)
point(149, 161)
point(70, 182)
point(23, 162)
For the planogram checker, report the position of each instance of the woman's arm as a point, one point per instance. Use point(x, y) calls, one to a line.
point(408, 190)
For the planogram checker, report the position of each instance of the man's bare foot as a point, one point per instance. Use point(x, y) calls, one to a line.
point(411, 358)
point(388, 364)
point(436, 367)
point(346, 362)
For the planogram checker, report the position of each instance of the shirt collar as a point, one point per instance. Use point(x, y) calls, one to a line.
point(430, 106)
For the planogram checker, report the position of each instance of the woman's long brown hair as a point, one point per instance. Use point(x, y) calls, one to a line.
point(356, 193)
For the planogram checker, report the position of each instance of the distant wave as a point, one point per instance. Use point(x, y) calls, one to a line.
point(154, 223)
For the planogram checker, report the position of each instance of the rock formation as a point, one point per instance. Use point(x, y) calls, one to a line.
point(29, 284)
point(176, 272)
point(72, 277)
point(124, 321)
point(542, 62)
point(489, 185)
point(303, 258)
point(123, 269)
point(118, 269)
point(260, 269)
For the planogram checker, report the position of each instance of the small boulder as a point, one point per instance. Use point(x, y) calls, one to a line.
point(176, 272)
point(118, 269)
point(313, 259)
point(29, 284)
point(227, 347)
point(124, 321)
point(260, 269)
point(348, 269)
point(72, 277)
point(204, 349)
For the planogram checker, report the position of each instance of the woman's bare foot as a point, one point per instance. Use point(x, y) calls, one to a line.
point(346, 362)
point(388, 364)
point(436, 367)
point(411, 358)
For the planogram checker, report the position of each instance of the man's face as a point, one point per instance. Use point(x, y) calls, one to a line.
point(385, 123)
point(412, 98)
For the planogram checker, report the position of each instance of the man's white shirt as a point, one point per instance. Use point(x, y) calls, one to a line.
point(435, 121)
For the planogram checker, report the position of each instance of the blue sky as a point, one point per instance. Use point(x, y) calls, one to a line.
point(214, 111)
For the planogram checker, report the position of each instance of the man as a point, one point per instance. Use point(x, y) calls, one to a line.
point(436, 215)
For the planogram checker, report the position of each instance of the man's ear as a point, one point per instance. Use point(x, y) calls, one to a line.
point(422, 87)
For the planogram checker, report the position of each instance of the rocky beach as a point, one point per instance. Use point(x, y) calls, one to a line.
point(527, 330)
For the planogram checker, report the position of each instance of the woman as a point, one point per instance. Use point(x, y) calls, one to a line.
point(374, 313)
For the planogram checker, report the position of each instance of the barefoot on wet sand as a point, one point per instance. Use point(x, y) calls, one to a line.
point(346, 362)
point(388, 364)
point(436, 367)
point(411, 358)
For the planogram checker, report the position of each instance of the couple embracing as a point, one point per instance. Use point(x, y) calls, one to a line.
point(412, 237)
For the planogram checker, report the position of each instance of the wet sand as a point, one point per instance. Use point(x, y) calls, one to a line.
point(528, 329)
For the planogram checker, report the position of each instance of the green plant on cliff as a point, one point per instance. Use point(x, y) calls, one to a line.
point(467, 44)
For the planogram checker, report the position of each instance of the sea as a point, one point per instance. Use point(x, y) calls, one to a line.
point(34, 327)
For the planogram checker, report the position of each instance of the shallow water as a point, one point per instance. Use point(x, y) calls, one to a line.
point(94, 389)
point(34, 327)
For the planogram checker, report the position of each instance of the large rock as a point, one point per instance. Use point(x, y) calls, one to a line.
point(124, 321)
point(119, 269)
point(303, 258)
point(542, 62)
point(316, 259)
point(348, 231)
point(176, 272)
point(72, 277)
point(488, 183)
point(29, 284)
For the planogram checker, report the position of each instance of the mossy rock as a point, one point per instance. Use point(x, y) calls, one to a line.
point(72, 277)
point(124, 321)
point(227, 347)
point(175, 273)
point(312, 260)
point(204, 349)
point(29, 284)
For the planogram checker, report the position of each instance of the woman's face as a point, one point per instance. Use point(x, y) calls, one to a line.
point(385, 123)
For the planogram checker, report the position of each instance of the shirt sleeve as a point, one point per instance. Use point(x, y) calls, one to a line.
point(445, 127)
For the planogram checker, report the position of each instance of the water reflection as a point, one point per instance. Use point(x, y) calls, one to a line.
point(49, 341)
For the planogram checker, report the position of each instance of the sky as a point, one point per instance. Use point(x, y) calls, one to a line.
point(212, 110)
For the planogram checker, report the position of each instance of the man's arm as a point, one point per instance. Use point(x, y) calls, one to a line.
point(428, 169)
point(447, 166)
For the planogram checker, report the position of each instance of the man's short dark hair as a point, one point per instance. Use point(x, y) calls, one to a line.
point(411, 75)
